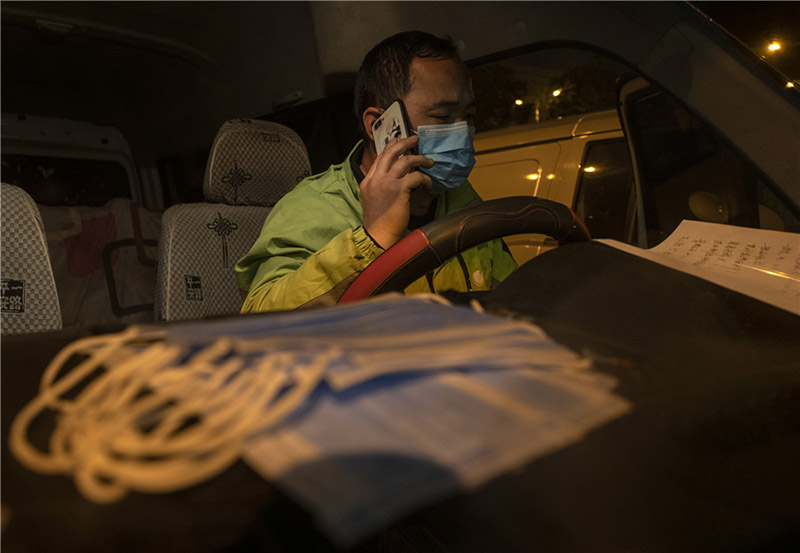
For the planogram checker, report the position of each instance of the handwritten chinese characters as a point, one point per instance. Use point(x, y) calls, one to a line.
point(763, 264)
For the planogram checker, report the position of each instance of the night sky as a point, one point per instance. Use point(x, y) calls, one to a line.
point(757, 24)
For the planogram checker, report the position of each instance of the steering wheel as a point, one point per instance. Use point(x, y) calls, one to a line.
point(428, 247)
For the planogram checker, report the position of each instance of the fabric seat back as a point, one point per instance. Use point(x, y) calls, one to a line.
point(28, 294)
point(252, 164)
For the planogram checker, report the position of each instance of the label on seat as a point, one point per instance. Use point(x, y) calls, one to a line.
point(12, 296)
point(194, 288)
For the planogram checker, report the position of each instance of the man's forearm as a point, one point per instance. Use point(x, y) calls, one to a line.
point(320, 280)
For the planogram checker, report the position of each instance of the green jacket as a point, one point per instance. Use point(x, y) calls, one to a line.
point(313, 245)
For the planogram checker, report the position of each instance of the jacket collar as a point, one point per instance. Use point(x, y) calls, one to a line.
point(352, 169)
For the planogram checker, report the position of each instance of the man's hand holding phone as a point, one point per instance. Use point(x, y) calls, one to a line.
point(387, 187)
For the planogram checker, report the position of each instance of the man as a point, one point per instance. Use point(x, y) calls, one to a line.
point(320, 236)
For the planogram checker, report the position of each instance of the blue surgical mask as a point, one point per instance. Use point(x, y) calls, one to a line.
point(450, 147)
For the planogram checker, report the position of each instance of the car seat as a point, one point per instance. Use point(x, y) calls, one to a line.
point(252, 164)
point(28, 294)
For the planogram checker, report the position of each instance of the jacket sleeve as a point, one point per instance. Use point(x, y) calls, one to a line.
point(503, 263)
point(307, 255)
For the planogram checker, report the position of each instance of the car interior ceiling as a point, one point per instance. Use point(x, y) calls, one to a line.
point(150, 76)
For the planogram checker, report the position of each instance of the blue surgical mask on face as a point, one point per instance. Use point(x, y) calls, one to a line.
point(450, 147)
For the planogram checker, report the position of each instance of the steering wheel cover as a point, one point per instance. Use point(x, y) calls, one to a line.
point(428, 247)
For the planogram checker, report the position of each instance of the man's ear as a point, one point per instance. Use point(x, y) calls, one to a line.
point(369, 117)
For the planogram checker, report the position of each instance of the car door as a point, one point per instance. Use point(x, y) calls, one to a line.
point(684, 169)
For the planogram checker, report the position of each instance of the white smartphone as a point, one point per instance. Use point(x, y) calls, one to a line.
point(392, 124)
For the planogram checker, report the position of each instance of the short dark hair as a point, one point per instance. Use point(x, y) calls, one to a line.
point(384, 74)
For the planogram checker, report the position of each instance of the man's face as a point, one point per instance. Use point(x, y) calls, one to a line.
point(441, 92)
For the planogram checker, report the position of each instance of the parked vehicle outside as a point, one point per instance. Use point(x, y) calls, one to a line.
point(557, 160)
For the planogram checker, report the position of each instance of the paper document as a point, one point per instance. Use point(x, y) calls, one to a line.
point(763, 264)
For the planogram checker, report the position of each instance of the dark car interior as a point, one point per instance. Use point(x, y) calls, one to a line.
point(145, 143)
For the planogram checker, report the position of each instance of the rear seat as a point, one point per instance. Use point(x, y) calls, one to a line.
point(28, 293)
point(106, 262)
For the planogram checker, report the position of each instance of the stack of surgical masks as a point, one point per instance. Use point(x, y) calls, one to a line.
point(362, 413)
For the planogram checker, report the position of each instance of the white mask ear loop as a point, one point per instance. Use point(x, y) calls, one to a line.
point(99, 349)
point(154, 422)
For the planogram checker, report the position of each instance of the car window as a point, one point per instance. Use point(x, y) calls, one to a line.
point(66, 181)
point(606, 197)
point(538, 86)
point(688, 172)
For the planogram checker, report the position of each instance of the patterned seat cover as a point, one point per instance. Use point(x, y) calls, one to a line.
point(251, 166)
point(28, 294)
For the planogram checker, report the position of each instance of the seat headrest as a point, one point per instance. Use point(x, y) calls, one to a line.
point(254, 162)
